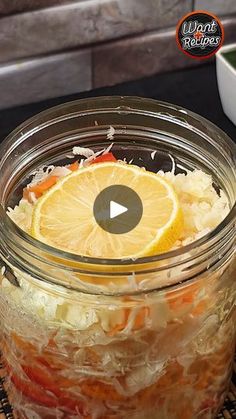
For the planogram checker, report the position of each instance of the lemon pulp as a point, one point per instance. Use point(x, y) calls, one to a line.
point(63, 216)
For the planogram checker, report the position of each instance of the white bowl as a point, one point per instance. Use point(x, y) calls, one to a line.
point(226, 79)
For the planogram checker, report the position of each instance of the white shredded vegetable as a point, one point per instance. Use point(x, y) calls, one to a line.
point(110, 133)
point(173, 163)
point(93, 157)
point(114, 353)
point(153, 154)
point(202, 207)
point(60, 171)
point(180, 166)
point(40, 174)
point(108, 149)
point(82, 151)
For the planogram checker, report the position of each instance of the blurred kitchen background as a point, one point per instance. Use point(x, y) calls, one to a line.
point(52, 48)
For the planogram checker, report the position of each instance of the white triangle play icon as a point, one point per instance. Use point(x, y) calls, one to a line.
point(116, 209)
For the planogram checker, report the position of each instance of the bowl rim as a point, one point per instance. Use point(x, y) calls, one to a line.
point(220, 56)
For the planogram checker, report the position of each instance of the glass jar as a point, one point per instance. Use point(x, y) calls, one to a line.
point(93, 338)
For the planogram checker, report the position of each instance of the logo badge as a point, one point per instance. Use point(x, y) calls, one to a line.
point(199, 34)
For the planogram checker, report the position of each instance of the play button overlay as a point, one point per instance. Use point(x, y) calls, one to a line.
point(118, 209)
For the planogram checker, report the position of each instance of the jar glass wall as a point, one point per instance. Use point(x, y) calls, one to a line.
point(95, 338)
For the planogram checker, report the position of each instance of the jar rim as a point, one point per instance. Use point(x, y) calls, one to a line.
point(126, 102)
point(228, 220)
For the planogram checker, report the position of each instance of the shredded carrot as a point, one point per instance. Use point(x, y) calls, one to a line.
point(74, 166)
point(140, 318)
point(46, 184)
point(40, 188)
point(21, 344)
point(200, 308)
point(109, 157)
point(99, 390)
point(186, 296)
point(121, 326)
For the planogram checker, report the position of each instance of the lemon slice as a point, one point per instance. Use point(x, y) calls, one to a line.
point(63, 216)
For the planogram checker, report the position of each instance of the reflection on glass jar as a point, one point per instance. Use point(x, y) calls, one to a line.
point(89, 338)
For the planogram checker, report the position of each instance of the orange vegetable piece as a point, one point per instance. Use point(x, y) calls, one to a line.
point(74, 166)
point(46, 184)
point(100, 391)
point(40, 188)
point(43, 376)
point(176, 299)
point(32, 391)
point(139, 319)
point(109, 157)
point(43, 388)
point(200, 308)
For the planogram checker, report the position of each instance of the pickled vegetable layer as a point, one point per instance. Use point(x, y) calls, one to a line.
point(154, 355)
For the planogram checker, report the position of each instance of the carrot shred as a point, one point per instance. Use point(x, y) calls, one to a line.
point(109, 157)
point(121, 326)
point(186, 296)
point(46, 184)
point(74, 166)
point(140, 318)
point(40, 188)
point(200, 308)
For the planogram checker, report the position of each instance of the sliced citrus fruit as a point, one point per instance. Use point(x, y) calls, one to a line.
point(63, 216)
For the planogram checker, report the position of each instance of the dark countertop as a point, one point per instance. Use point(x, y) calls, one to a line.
point(195, 89)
